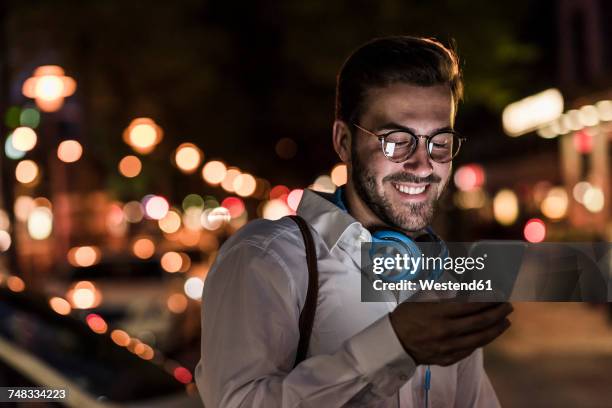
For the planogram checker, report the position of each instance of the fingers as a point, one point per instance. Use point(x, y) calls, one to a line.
point(464, 309)
point(477, 339)
point(478, 321)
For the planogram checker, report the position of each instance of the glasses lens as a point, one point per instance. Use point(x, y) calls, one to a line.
point(443, 147)
point(398, 146)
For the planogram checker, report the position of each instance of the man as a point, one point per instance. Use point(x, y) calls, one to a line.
point(372, 354)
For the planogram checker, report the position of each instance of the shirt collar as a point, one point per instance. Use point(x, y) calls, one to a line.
point(325, 217)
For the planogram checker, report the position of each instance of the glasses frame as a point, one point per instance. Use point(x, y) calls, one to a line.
point(416, 137)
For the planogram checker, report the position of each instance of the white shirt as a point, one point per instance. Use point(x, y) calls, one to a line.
point(251, 304)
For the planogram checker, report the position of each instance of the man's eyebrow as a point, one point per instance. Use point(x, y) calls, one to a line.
point(390, 126)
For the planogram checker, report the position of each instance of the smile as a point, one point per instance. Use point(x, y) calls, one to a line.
point(410, 189)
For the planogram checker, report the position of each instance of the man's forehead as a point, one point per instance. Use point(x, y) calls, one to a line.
point(401, 103)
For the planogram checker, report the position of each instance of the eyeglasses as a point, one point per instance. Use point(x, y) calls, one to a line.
point(399, 145)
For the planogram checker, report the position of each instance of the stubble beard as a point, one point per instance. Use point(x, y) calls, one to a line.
point(410, 216)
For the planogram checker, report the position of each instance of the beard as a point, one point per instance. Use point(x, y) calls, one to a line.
point(407, 216)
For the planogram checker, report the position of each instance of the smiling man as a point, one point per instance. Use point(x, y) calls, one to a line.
point(396, 103)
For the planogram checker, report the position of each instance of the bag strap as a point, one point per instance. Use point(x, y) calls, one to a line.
point(307, 314)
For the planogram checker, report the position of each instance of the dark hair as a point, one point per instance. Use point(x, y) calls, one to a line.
point(384, 61)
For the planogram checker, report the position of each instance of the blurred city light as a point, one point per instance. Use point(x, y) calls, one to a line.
point(15, 283)
point(171, 222)
point(171, 262)
point(339, 175)
point(143, 248)
point(5, 241)
point(583, 141)
point(133, 211)
point(84, 256)
point(324, 184)
point(120, 337)
point(29, 117)
point(234, 205)
point(193, 287)
point(228, 182)
point(84, 295)
point(5, 223)
point(60, 305)
point(193, 200)
point(527, 114)
point(177, 303)
point(40, 223)
point(10, 151)
point(604, 109)
point(23, 207)
point(142, 135)
point(96, 323)
point(579, 191)
point(469, 177)
point(156, 207)
point(294, 198)
point(588, 116)
point(48, 87)
point(24, 139)
point(26, 171)
point(555, 205)
point(594, 199)
point(214, 218)
point(188, 157)
point(191, 218)
point(472, 199)
point(214, 172)
point(244, 184)
point(69, 151)
point(505, 207)
point(183, 375)
point(130, 166)
point(275, 209)
point(279, 192)
point(535, 230)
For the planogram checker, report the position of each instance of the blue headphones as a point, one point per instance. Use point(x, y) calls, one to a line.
point(396, 241)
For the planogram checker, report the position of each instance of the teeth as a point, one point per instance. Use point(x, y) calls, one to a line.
point(410, 190)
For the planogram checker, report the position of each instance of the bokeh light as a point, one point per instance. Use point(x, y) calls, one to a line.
point(469, 177)
point(193, 287)
point(10, 151)
point(23, 207)
point(579, 190)
point(24, 139)
point(48, 87)
point(188, 157)
point(40, 223)
point(183, 375)
point(535, 230)
point(213, 218)
point(228, 182)
point(171, 222)
point(5, 241)
point(130, 166)
point(244, 184)
point(84, 295)
point(294, 198)
point(275, 209)
point(15, 283)
point(177, 303)
point(120, 337)
point(69, 151)
point(214, 172)
point(26, 171)
point(324, 184)
point(156, 207)
point(594, 199)
point(234, 205)
point(505, 207)
point(143, 248)
point(29, 117)
point(193, 200)
point(60, 305)
point(279, 192)
point(143, 135)
point(84, 256)
point(555, 205)
point(191, 218)
point(96, 323)
point(171, 262)
point(133, 211)
point(339, 175)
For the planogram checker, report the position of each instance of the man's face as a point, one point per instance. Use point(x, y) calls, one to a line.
point(401, 194)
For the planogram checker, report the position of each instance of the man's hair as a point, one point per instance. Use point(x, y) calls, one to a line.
point(398, 59)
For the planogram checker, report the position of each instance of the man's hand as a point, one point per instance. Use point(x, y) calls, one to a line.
point(444, 333)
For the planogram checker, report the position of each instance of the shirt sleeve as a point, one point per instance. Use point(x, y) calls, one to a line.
point(250, 314)
point(474, 390)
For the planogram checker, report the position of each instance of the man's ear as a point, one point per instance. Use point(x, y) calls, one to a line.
point(342, 140)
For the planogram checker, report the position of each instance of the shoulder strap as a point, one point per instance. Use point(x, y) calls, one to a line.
point(307, 314)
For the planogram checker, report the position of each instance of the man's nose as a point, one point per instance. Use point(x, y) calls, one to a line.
point(419, 163)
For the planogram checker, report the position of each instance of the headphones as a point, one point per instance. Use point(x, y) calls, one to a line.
point(392, 240)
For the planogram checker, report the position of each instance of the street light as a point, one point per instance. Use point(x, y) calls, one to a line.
point(48, 87)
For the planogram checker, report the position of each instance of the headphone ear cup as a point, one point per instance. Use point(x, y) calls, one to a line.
point(390, 243)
